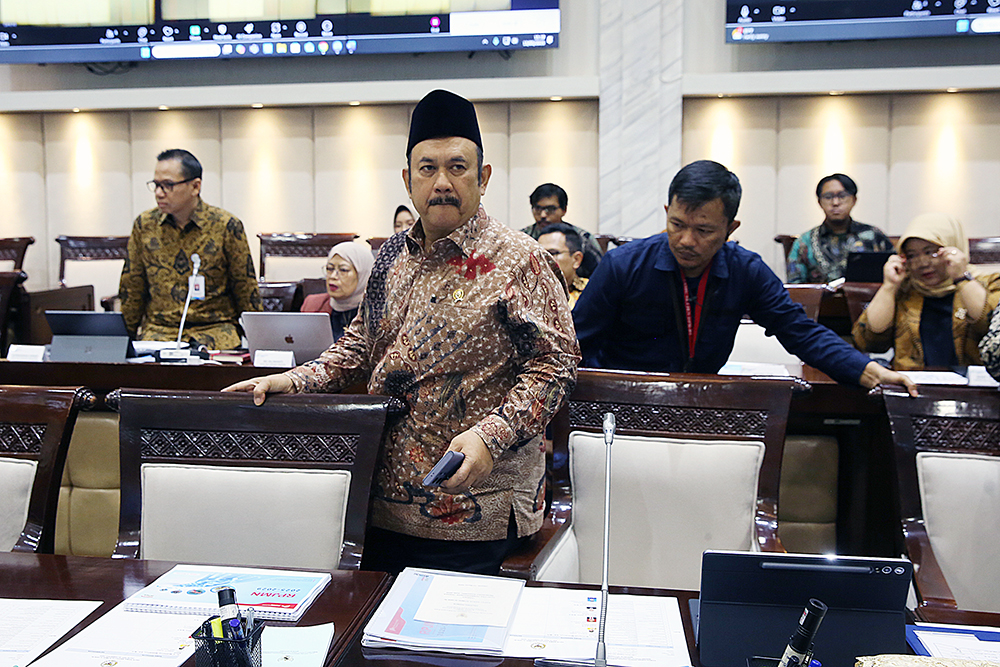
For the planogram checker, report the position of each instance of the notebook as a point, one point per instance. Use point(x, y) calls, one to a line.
point(865, 267)
point(307, 335)
point(751, 602)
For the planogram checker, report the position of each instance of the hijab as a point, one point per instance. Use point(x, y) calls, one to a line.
point(942, 230)
point(361, 257)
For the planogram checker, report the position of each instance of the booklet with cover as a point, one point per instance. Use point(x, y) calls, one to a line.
point(278, 595)
point(445, 611)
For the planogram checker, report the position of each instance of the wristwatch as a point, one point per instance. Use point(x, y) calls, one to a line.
point(962, 278)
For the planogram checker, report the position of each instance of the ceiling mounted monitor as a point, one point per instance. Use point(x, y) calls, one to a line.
point(829, 20)
point(92, 31)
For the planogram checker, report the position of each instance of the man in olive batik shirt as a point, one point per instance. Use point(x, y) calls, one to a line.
point(154, 282)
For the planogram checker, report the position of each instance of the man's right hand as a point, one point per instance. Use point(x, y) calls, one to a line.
point(279, 383)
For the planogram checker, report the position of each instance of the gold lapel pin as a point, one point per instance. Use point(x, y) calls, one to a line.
point(458, 295)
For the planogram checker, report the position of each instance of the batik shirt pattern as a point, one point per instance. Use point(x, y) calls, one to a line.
point(819, 255)
point(474, 334)
point(154, 282)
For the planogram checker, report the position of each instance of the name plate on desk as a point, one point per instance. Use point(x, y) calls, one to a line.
point(105, 349)
point(26, 352)
point(274, 358)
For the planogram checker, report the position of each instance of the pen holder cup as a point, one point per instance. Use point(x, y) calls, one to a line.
point(211, 651)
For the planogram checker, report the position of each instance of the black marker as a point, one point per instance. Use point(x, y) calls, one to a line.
point(800, 644)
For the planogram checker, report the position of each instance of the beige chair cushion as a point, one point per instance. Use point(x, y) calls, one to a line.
point(671, 500)
point(244, 516)
point(960, 494)
point(16, 477)
point(807, 514)
point(87, 522)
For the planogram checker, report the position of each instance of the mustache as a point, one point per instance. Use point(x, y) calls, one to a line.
point(445, 201)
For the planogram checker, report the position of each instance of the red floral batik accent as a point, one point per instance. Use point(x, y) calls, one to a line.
point(450, 509)
point(474, 262)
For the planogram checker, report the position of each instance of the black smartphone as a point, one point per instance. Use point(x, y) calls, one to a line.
point(445, 468)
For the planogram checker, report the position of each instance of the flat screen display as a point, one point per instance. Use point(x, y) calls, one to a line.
point(829, 20)
point(91, 31)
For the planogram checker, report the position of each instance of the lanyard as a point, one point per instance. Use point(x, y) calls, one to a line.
point(692, 323)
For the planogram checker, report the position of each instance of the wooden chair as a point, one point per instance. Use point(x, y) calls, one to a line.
point(91, 248)
point(297, 244)
point(9, 283)
point(210, 477)
point(376, 242)
point(984, 250)
point(280, 297)
point(36, 424)
point(14, 249)
point(809, 297)
point(604, 239)
point(726, 435)
point(858, 296)
point(786, 241)
point(947, 444)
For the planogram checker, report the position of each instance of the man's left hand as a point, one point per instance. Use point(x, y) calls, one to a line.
point(876, 374)
point(476, 467)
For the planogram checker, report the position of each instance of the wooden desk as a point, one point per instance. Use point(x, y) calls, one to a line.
point(355, 654)
point(348, 601)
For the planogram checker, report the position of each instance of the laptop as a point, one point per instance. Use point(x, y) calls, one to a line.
point(307, 335)
point(865, 267)
point(751, 602)
point(86, 335)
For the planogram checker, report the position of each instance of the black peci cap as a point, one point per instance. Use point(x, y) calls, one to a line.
point(443, 114)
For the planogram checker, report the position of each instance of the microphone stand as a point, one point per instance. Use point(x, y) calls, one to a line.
point(196, 260)
point(600, 659)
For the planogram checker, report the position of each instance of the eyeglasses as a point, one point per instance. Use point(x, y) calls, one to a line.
point(557, 253)
point(929, 253)
point(836, 196)
point(340, 271)
point(166, 186)
point(545, 209)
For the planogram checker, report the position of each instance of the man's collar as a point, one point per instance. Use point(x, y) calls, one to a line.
point(825, 230)
point(196, 215)
point(465, 237)
point(719, 268)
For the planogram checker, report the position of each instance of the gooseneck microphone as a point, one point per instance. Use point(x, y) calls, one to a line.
point(600, 659)
point(800, 644)
point(196, 260)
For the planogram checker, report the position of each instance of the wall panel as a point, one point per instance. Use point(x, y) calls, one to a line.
point(554, 142)
point(22, 191)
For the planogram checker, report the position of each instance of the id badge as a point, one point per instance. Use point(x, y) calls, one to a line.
point(196, 287)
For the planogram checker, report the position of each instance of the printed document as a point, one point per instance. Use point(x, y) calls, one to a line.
point(30, 627)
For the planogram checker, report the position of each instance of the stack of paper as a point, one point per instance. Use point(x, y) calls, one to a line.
point(279, 595)
point(445, 611)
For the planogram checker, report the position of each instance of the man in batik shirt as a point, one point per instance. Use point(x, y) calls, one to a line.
point(155, 280)
point(820, 255)
point(466, 321)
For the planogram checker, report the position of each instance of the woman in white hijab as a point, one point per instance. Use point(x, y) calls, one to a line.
point(348, 266)
point(932, 307)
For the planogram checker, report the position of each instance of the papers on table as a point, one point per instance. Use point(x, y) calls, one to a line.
point(976, 376)
point(128, 638)
point(753, 368)
point(561, 623)
point(395, 622)
point(538, 622)
point(30, 627)
point(302, 647)
point(955, 641)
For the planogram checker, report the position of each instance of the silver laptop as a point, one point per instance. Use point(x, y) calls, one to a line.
point(307, 335)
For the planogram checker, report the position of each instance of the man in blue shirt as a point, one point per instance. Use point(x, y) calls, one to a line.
point(673, 302)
